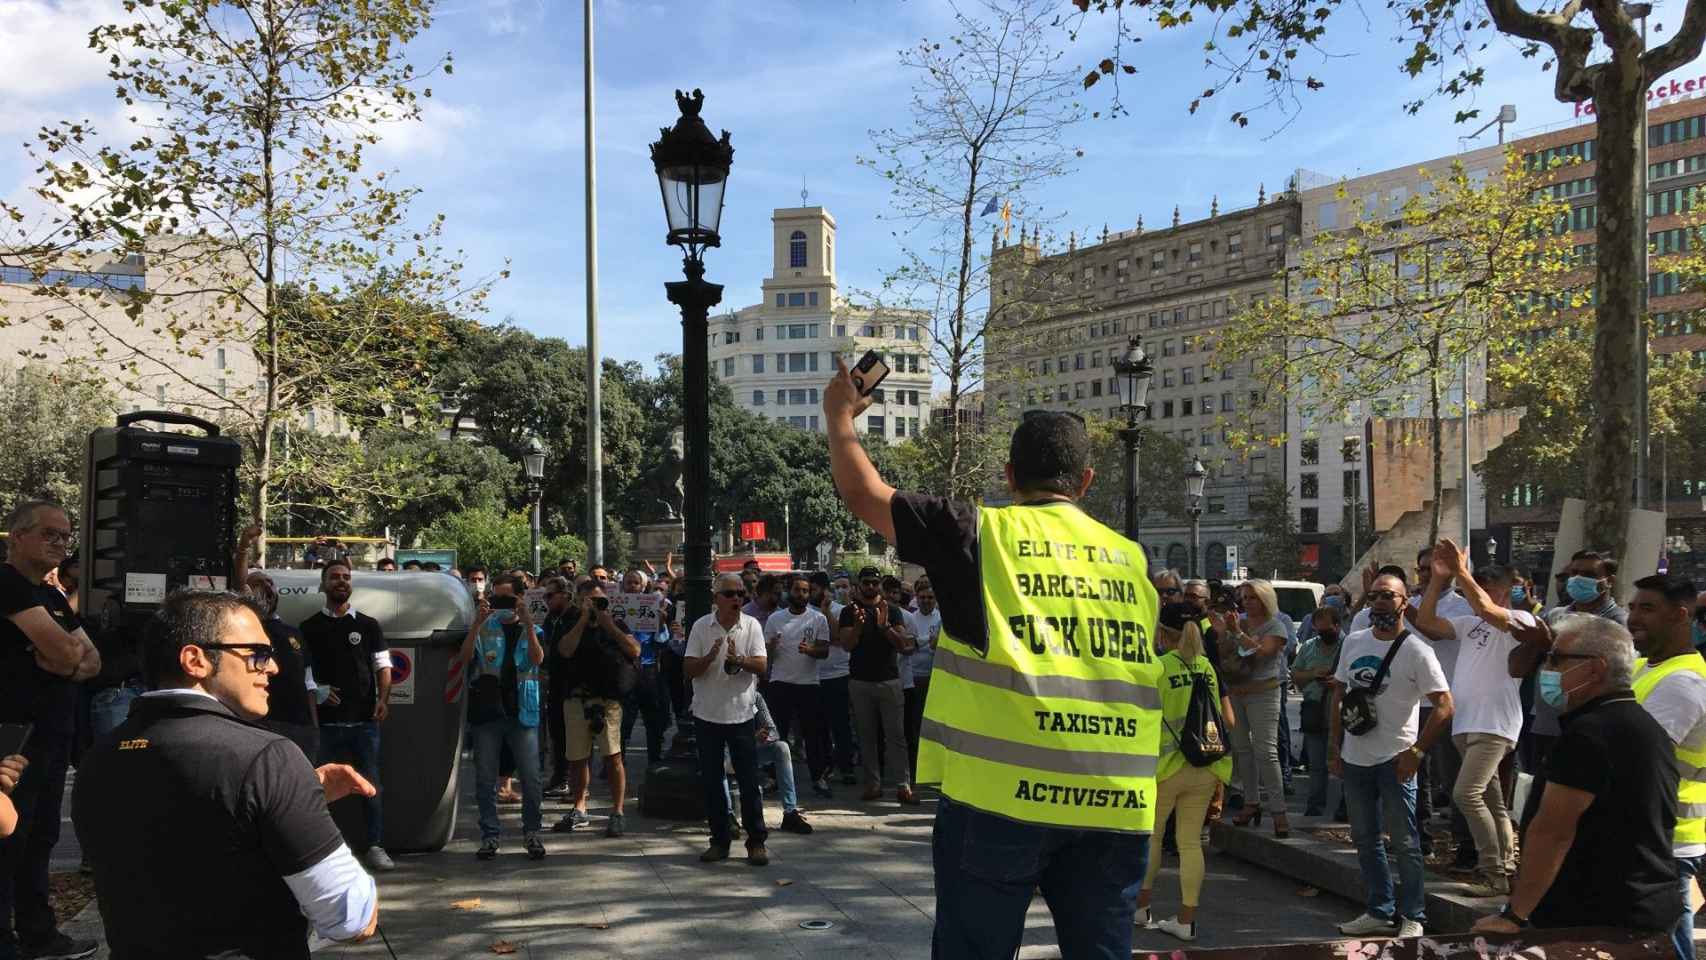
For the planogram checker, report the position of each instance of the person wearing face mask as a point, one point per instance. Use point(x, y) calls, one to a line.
point(1312, 672)
point(1670, 682)
point(1488, 715)
point(796, 640)
point(1379, 766)
point(1599, 852)
point(1585, 590)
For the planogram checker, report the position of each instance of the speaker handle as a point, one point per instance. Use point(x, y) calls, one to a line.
point(167, 416)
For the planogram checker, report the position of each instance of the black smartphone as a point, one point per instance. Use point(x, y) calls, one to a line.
point(870, 372)
point(502, 603)
point(13, 736)
point(602, 603)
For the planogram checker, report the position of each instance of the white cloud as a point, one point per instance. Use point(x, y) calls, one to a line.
point(440, 126)
point(47, 46)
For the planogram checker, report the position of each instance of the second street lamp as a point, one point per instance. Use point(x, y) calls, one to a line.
point(1195, 477)
point(693, 170)
point(1135, 373)
point(533, 461)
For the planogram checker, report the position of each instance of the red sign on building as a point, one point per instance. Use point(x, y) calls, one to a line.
point(752, 530)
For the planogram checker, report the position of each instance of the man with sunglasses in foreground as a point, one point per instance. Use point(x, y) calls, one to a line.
point(1043, 720)
point(725, 658)
point(188, 804)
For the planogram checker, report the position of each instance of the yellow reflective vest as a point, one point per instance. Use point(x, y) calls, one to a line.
point(1691, 791)
point(1177, 682)
point(1058, 722)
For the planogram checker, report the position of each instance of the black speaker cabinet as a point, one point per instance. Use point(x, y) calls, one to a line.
point(158, 514)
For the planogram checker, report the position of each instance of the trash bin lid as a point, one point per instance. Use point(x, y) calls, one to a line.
point(408, 606)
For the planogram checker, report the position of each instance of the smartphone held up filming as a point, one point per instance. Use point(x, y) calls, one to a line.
point(870, 373)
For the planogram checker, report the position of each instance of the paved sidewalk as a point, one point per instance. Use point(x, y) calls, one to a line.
point(866, 870)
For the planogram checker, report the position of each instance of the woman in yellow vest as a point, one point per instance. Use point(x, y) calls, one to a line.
point(1183, 790)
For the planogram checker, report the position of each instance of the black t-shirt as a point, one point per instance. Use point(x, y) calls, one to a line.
point(192, 819)
point(940, 535)
point(875, 659)
point(29, 694)
point(342, 651)
point(1621, 871)
point(589, 670)
point(287, 690)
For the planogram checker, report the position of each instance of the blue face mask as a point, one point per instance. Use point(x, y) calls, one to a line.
point(1582, 589)
point(1518, 594)
point(1551, 689)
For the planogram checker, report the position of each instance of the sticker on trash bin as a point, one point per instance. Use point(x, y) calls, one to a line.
point(144, 587)
point(402, 675)
point(816, 924)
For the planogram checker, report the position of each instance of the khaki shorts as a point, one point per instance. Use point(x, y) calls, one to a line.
point(580, 736)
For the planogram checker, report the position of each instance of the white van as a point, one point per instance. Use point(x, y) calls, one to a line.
point(1298, 599)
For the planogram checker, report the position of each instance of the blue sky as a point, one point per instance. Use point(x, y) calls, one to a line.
point(799, 83)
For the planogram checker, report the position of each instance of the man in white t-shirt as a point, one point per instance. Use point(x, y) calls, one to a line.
point(1487, 701)
point(1670, 683)
point(725, 658)
point(926, 623)
point(833, 673)
point(797, 639)
point(1379, 767)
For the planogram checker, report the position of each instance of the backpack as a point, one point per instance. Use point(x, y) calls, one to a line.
point(1200, 739)
point(1356, 705)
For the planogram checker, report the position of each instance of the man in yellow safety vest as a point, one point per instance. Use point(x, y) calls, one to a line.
point(1042, 724)
point(1670, 682)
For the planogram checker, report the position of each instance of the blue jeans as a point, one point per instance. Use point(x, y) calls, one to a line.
point(24, 856)
point(1376, 800)
point(108, 708)
point(1315, 751)
point(776, 752)
point(489, 740)
point(1687, 868)
point(357, 744)
point(987, 867)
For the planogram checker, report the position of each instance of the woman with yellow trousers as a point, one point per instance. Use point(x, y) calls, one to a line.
point(1183, 790)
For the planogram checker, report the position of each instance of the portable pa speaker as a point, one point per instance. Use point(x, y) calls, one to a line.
point(158, 514)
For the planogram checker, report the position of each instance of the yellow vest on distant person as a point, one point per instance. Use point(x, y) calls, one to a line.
point(1058, 722)
point(1691, 790)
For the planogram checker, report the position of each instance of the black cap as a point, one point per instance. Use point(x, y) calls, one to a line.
point(820, 578)
point(870, 573)
point(1174, 616)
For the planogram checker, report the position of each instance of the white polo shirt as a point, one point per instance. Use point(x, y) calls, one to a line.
point(717, 696)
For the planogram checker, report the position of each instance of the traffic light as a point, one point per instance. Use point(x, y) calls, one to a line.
point(158, 514)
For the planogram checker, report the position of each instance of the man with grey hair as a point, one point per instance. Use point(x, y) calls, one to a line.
point(725, 658)
point(1168, 585)
point(1598, 853)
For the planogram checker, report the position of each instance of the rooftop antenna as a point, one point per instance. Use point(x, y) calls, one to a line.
point(803, 192)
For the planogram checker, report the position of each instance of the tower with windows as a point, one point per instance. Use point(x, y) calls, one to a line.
point(802, 275)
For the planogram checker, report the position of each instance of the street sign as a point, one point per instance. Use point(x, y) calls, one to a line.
point(752, 530)
point(1231, 558)
point(824, 548)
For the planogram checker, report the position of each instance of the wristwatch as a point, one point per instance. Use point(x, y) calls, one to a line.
point(1509, 914)
point(1419, 752)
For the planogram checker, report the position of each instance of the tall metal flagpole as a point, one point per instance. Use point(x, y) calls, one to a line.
point(594, 391)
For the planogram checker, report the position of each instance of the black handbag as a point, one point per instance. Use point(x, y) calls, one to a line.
point(1356, 707)
point(1312, 715)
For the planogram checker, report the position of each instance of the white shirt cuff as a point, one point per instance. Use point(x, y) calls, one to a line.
point(336, 895)
point(382, 660)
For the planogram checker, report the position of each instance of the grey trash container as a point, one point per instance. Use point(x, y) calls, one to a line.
point(425, 617)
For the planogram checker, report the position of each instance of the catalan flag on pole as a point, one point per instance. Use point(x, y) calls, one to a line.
point(1007, 220)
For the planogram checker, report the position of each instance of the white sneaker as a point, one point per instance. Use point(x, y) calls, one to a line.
point(1144, 919)
point(1183, 931)
point(378, 860)
point(1365, 925)
point(1410, 929)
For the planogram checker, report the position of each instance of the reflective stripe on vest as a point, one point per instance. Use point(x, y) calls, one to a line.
point(1058, 723)
point(1691, 789)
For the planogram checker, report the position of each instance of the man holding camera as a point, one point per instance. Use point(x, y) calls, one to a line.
point(725, 658)
point(598, 652)
point(503, 651)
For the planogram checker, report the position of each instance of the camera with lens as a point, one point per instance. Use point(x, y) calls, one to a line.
point(594, 719)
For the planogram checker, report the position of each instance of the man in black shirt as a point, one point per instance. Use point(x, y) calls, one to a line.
point(349, 650)
point(595, 646)
point(208, 835)
point(559, 616)
point(44, 654)
point(291, 709)
point(873, 632)
point(1598, 853)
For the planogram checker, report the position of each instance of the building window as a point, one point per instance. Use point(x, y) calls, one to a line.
point(1078, 362)
point(1276, 234)
point(1167, 348)
point(1207, 405)
point(1166, 408)
point(1187, 344)
point(1187, 376)
point(797, 250)
point(876, 426)
point(1158, 260)
point(1166, 378)
point(841, 329)
point(781, 299)
point(222, 386)
point(1046, 364)
point(1185, 407)
point(1193, 254)
point(1353, 484)
point(1095, 388)
point(1078, 391)
point(758, 332)
point(1309, 451)
point(878, 395)
point(1095, 359)
point(758, 363)
point(900, 426)
point(796, 299)
point(758, 398)
point(1205, 437)
point(1226, 402)
point(1309, 486)
point(728, 366)
point(1309, 520)
point(1235, 244)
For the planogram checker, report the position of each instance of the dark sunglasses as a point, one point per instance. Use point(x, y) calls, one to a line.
point(1554, 658)
point(257, 656)
point(1382, 595)
point(731, 594)
point(1030, 414)
point(1169, 591)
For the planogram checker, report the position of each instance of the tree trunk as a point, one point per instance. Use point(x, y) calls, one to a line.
point(957, 487)
point(1612, 391)
point(1438, 448)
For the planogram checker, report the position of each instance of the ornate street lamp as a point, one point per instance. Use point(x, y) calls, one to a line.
point(1134, 372)
point(533, 461)
point(693, 171)
point(1195, 476)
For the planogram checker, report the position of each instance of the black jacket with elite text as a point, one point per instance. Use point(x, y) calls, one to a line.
point(192, 818)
